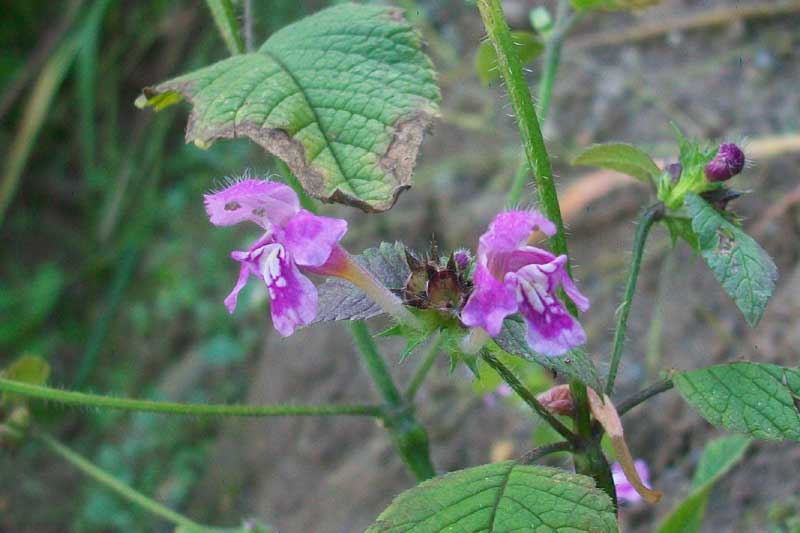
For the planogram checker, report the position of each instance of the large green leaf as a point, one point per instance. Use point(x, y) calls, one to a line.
point(343, 97)
point(575, 364)
point(719, 456)
point(625, 158)
point(743, 268)
point(499, 498)
point(760, 400)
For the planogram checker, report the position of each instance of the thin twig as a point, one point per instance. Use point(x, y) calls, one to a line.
point(643, 395)
point(527, 397)
point(537, 453)
point(658, 28)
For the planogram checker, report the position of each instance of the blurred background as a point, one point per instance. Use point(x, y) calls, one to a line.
point(110, 270)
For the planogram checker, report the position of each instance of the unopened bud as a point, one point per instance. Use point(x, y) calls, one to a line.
point(728, 162)
point(558, 400)
point(462, 258)
point(674, 170)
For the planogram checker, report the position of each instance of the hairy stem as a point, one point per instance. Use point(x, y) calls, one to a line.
point(408, 435)
point(643, 395)
point(127, 492)
point(588, 457)
point(526, 395)
point(646, 221)
point(184, 409)
point(527, 121)
point(537, 453)
point(424, 367)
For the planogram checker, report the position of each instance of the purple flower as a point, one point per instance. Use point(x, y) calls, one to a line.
point(728, 162)
point(294, 238)
point(626, 493)
point(511, 276)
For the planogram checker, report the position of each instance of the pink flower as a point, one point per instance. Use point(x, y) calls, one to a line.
point(294, 238)
point(627, 493)
point(511, 276)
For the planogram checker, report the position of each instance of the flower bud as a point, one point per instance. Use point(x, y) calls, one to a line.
point(728, 162)
point(674, 170)
point(558, 400)
point(462, 258)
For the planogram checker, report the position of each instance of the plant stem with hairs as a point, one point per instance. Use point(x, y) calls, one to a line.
point(589, 457)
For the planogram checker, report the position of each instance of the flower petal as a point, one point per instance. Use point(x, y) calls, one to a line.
point(510, 230)
point(552, 330)
point(266, 203)
point(310, 238)
point(292, 295)
point(577, 297)
point(490, 303)
point(249, 267)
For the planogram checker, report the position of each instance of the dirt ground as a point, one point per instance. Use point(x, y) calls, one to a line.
point(735, 81)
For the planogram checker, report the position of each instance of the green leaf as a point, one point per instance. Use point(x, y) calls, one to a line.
point(529, 46)
point(341, 300)
point(499, 498)
point(575, 364)
point(758, 399)
point(680, 227)
point(343, 97)
point(620, 157)
point(745, 270)
point(28, 369)
point(719, 456)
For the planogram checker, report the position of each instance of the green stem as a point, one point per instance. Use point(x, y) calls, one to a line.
point(127, 492)
point(589, 457)
point(527, 121)
point(185, 409)
point(408, 435)
point(537, 453)
point(526, 395)
point(643, 395)
point(225, 18)
point(648, 218)
point(424, 367)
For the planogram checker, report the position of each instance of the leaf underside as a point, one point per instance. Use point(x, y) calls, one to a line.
point(621, 157)
point(743, 268)
point(758, 399)
point(501, 498)
point(575, 364)
point(341, 300)
point(343, 97)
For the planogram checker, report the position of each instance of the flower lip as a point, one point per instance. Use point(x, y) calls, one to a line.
point(263, 202)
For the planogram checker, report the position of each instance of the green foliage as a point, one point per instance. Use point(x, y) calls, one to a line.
point(529, 47)
point(576, 364)
point(27, 369)
point(743, 268)
point(225, 19)
point(719, 456)
point(501, 497)
point(758, 399)
point(343, 97)
point(625, 158)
